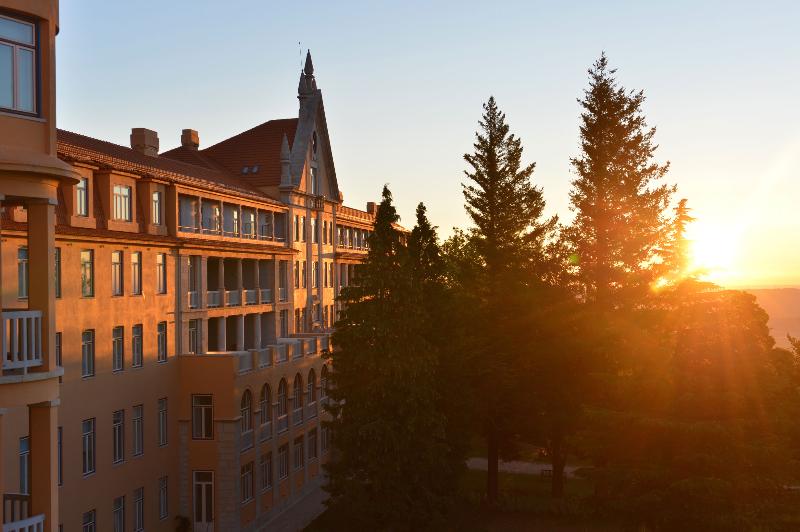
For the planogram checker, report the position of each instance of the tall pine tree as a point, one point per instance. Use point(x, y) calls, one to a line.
point(619, 205)
point(509, 238)
point(392, 467)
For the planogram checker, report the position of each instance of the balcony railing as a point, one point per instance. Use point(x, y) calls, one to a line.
point(31, 524)
point(283, 293)
point(265, 432)
point(266, 295)
point(250, 297)
point(245, 360)
point(324, 343)
point(263, 356)
point(214, 298)
point(22, 339)
point(311, 410)
point(283, 423)
point(297, 416)
point(297, 349)
point(282, 354)
point(194, 299)
point(233, 298)
point(247, 441)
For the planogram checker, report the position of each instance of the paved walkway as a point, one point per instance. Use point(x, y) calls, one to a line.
point(520, 468)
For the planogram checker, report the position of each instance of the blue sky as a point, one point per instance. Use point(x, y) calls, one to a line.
point(403, 85)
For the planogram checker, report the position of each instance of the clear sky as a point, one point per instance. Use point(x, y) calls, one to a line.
point(403, 84)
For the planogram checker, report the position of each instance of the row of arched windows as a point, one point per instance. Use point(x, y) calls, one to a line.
point(265, 398)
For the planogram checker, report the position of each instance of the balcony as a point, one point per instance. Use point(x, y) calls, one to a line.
point(282, 353)
point(283, 294)
point(250, 297)
point(194, 299)
point(214, 298)
point(15, 514)
point(247, 441)
point(265, 432)
point(266, 295)
point(297, 416)
point(22, 339)
point(233, 298)
point(262, 357)
point(245, 360)
point(283, 423)
point(311, 410)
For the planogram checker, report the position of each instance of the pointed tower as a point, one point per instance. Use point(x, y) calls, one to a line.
point(308, 85)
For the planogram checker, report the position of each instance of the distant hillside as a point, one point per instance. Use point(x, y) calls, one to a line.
point(783, 307)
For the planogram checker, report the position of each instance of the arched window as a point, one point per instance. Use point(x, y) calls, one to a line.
point(323, 383)
point(265, 402)
point(312, 386)
point(298, 392)
point(247, 409)
point(282, 403)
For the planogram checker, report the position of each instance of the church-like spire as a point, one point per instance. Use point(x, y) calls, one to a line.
point(307, 83)
point(309, 68)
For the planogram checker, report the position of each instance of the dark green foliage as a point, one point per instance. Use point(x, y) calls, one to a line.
point(393, 468)
point(620, 220)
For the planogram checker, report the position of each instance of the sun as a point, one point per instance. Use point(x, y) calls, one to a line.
point(714, 251)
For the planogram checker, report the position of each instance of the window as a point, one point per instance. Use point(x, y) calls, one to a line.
point(284, 323)
point(297, 461)
point(315, 274)
point(194, 336)
point(161, 273)
point(122, 203)
point(312, 444)
point(163, 498)
point(17, 65)
point(314, 181)
point(162, 421)
point(136, 347)
point(59, 351)
point(314, 233)
point(88, 441)
point(265, 465)
point(296, 228)
point(117, 275)
point(303, 228)
point(22, 269)
point(264, 405)
point(87, 273)
point(82, 198)
point(303, 275)
point(136, 273)
point(283, 410)
point(161, 340)
point(89, 521)
point(138, 430)
point(246, 408)
point(202, 417)
point(297, 323)
point(283, 461)
point(324, 231)
point(87, 353)
point(60, 453)
point(323, 383)
point(204, 498)
point(138, 510)
point(247, 482)
point(24, 464)
point(118, 436)
point(325, 436)
point(119, 514)
point(118, 349)
point(235, 220)
point(297, 274)
point(312, 387)
point(297, 399)
point(58, 272)
point(156, 207)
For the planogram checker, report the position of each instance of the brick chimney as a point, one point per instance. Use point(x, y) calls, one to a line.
point(144, 141)
point(371, 207)
point(190, 139)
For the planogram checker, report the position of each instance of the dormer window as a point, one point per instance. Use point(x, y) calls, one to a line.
point(314, 145)
point(122, 203)
point(17, 65)
point(82, 205)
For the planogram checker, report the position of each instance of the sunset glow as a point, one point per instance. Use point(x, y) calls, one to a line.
point(715, 253)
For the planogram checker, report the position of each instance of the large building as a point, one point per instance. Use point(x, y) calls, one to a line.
point(164, 315)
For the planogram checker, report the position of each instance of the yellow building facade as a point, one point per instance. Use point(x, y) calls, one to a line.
point(165, 313)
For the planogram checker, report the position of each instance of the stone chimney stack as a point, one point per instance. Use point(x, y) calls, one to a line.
point(144, 141)
point(190, 139)
point(371, 208)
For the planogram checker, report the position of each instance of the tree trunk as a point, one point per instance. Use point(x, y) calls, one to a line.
point(557, 461)
point(492, 456)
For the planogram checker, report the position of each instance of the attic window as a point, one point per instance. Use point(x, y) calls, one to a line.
point(314, 144)
point(254, 169)
point(245, 169)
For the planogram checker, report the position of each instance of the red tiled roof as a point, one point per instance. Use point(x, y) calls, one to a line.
point(76, 147)
point(259, 146)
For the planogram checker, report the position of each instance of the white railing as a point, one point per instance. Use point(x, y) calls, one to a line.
point(297, 349)
point(31, 524)
point(283, 423)
point(282, 293)
point(264, 356)
point(194, 299)
point(297, 416)
point(266, 295)
point(245, 360)
point(214, 298)
point(250, 297)
point(233, 298)
point(22, 339)
point(281, 353)
point(265, 432)
point(247, 441)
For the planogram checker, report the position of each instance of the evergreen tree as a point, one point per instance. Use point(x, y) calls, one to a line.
point(508, 238)
point(392, 466)
point(619, 207)
point(676, 253)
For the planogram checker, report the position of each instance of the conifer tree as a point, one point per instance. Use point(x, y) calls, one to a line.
point(508, 237)
point(676, 253)
point(391, 454)
point(619, 205)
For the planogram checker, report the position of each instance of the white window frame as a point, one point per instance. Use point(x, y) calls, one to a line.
point(136, 273)
point(82, 197)
point(16, 47)
point(123, 201)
